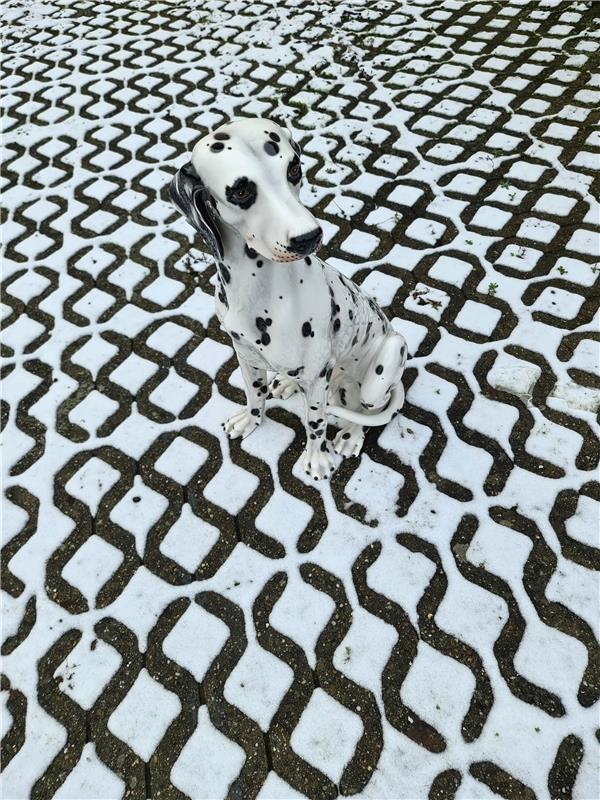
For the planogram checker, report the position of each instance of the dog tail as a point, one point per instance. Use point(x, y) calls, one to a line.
point(382, 417)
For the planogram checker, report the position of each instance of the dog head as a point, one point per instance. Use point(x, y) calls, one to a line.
point(246, 174)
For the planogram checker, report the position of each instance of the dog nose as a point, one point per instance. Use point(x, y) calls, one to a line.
point(306, 242)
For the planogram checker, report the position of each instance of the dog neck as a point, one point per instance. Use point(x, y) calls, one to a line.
point(248, 280)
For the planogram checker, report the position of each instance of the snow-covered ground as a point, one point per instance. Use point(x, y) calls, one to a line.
point(186, 616)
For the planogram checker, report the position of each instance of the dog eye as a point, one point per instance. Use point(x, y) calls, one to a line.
point(294, 171)
point(242, 193)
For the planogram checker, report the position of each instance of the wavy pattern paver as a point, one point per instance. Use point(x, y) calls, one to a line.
point(187, 616)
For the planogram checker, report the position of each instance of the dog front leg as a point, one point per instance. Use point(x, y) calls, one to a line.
point(242, 423)
point(317, 459)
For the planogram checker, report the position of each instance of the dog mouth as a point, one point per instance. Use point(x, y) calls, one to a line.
point(285, 256)
point(286, 253)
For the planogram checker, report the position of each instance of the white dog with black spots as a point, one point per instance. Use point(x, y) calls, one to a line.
point(286, 310)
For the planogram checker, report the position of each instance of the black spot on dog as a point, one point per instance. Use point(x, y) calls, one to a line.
point(259, 263)
point(271, 148)
point(306, 329)
point(274, 136)
point(217, 147)
point(323, 446)
point(242, 193)
point(336, 326)
point(379, 369)
point(222, 136)
point(262, 324)
point(235, 335)
point(250, 252)
point(255, 412)
point(345, 435)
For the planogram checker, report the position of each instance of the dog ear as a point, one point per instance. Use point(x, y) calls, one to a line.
point(192, 198)
point(294, 145)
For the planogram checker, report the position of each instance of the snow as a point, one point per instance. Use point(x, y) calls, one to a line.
point(91, 779)
point(326, 734)
point(173, 393)
point(181, 460)
point(209, 760)
point(87, 669)
point(138, 510)
point(538, 230)
point(360, 244)
point(231, 488)
point(142, 718)
point(195, 640)
point(381, 287)
point(426, 230)
point(91, 482)
point(258, 684)
point(189, 540)
point(91, 566)
point(301, 613)
point(442, 171)
point(478, 317)
point(555, 204)
point(490, 217)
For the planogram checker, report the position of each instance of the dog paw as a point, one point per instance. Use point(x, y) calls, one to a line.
point(241, 424)
point(282, 387)
point(318, 463)
point(349, 441)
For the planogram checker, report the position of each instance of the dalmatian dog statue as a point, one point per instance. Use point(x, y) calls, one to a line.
point(285, 310)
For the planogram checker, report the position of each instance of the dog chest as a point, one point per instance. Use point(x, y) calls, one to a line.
point(282, 319)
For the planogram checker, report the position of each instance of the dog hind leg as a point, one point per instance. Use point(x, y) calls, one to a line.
point(349, 440)
point(282, 387)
